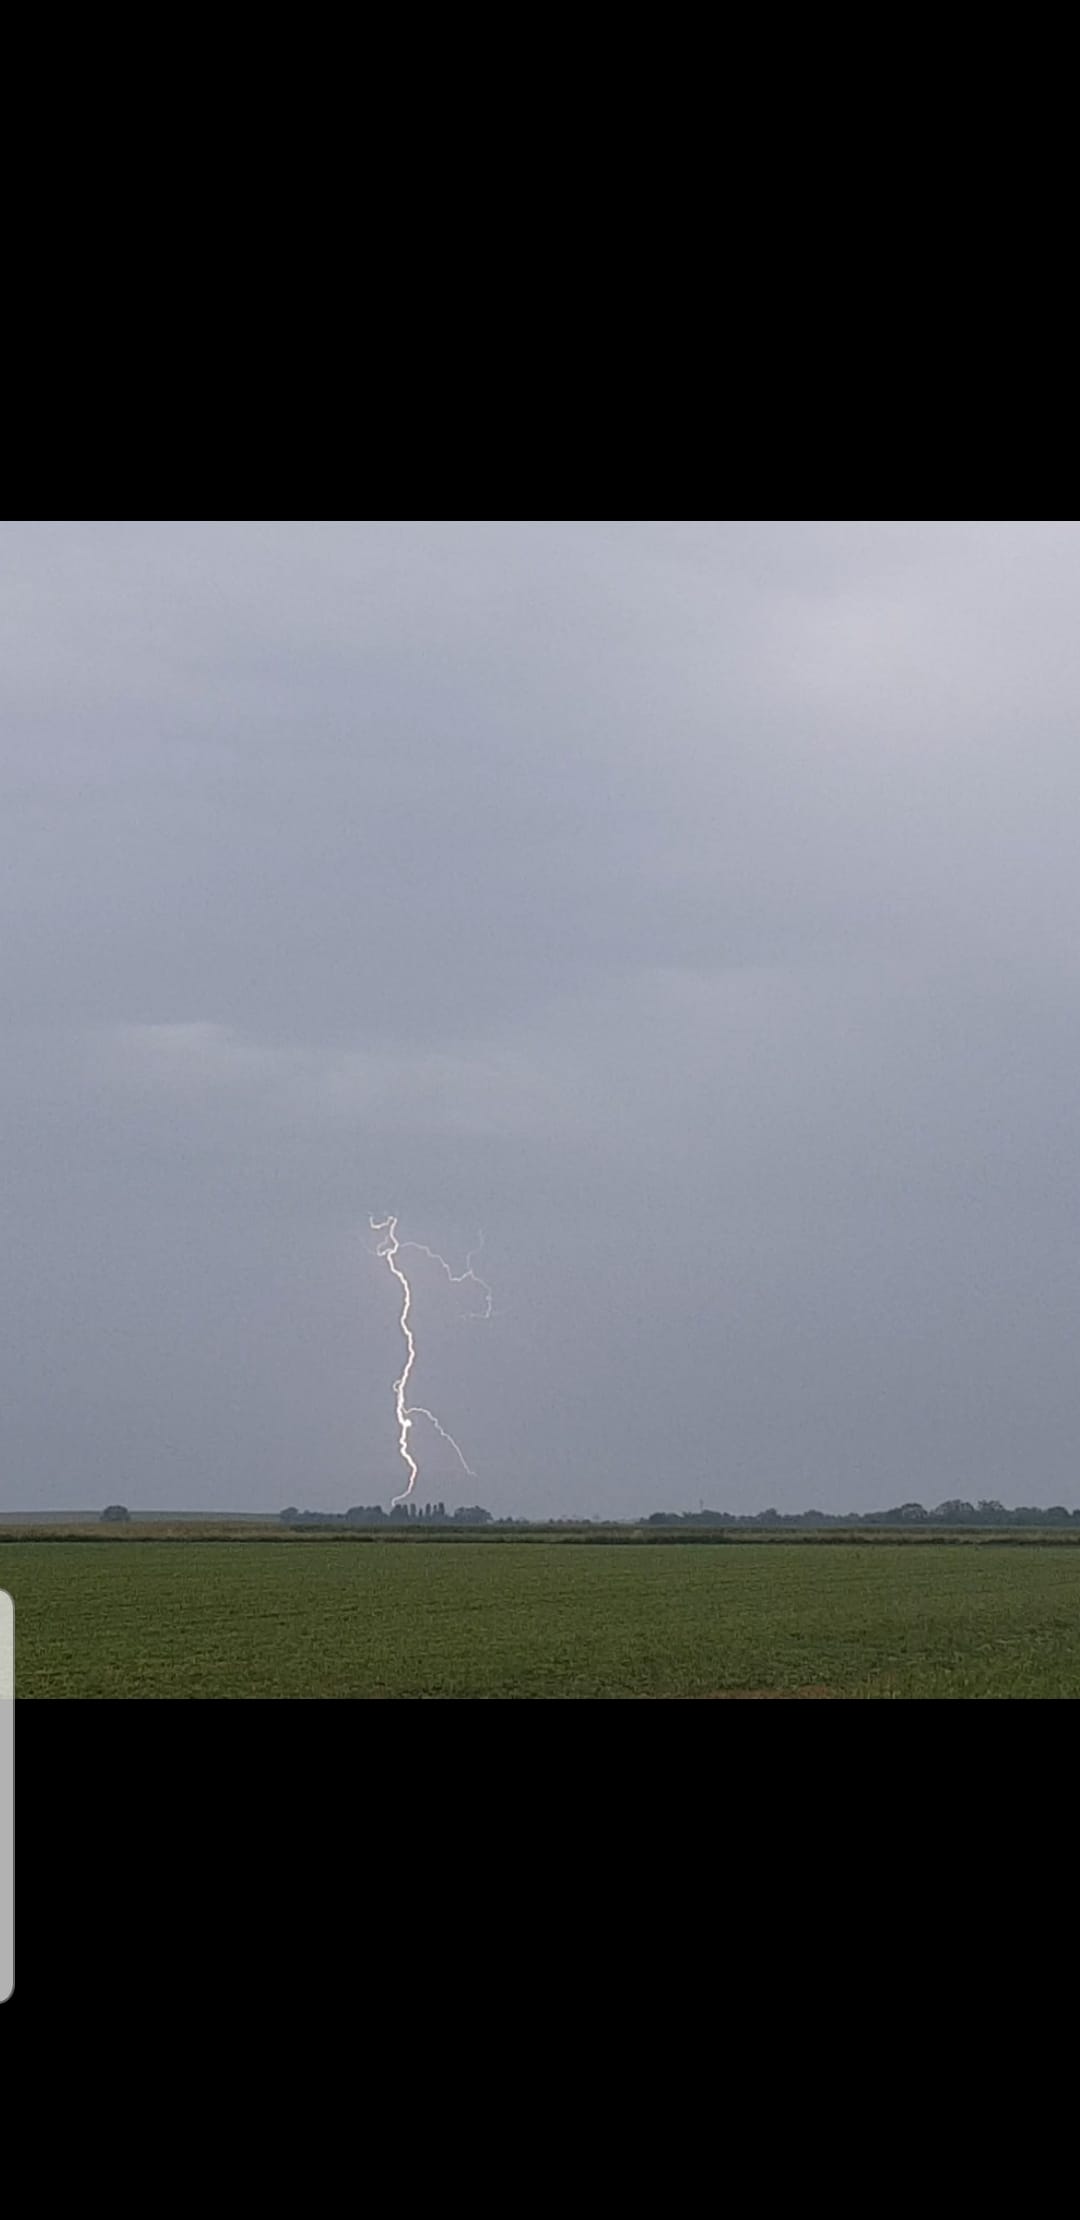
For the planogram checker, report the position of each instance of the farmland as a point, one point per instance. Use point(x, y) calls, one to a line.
point(200, 1614)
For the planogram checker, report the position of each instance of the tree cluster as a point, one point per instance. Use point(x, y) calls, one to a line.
point(402, 1514)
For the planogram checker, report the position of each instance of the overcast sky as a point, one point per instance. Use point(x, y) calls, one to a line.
point(695, 908)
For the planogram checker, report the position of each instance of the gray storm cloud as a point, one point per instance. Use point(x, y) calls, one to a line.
point(694, 907)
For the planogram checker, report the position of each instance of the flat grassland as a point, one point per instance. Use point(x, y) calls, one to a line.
point(332, 1618)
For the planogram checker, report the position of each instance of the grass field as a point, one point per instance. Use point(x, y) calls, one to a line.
point(252, 1618)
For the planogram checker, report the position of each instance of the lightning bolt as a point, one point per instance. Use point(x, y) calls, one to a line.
point(389, 1247)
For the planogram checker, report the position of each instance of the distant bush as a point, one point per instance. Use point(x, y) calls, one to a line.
point(116, 1513)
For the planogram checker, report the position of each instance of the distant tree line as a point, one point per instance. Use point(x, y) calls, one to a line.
point(954, 1512)
point(402, 1514)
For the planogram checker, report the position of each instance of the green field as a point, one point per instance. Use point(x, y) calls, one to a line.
point(330, 1618)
